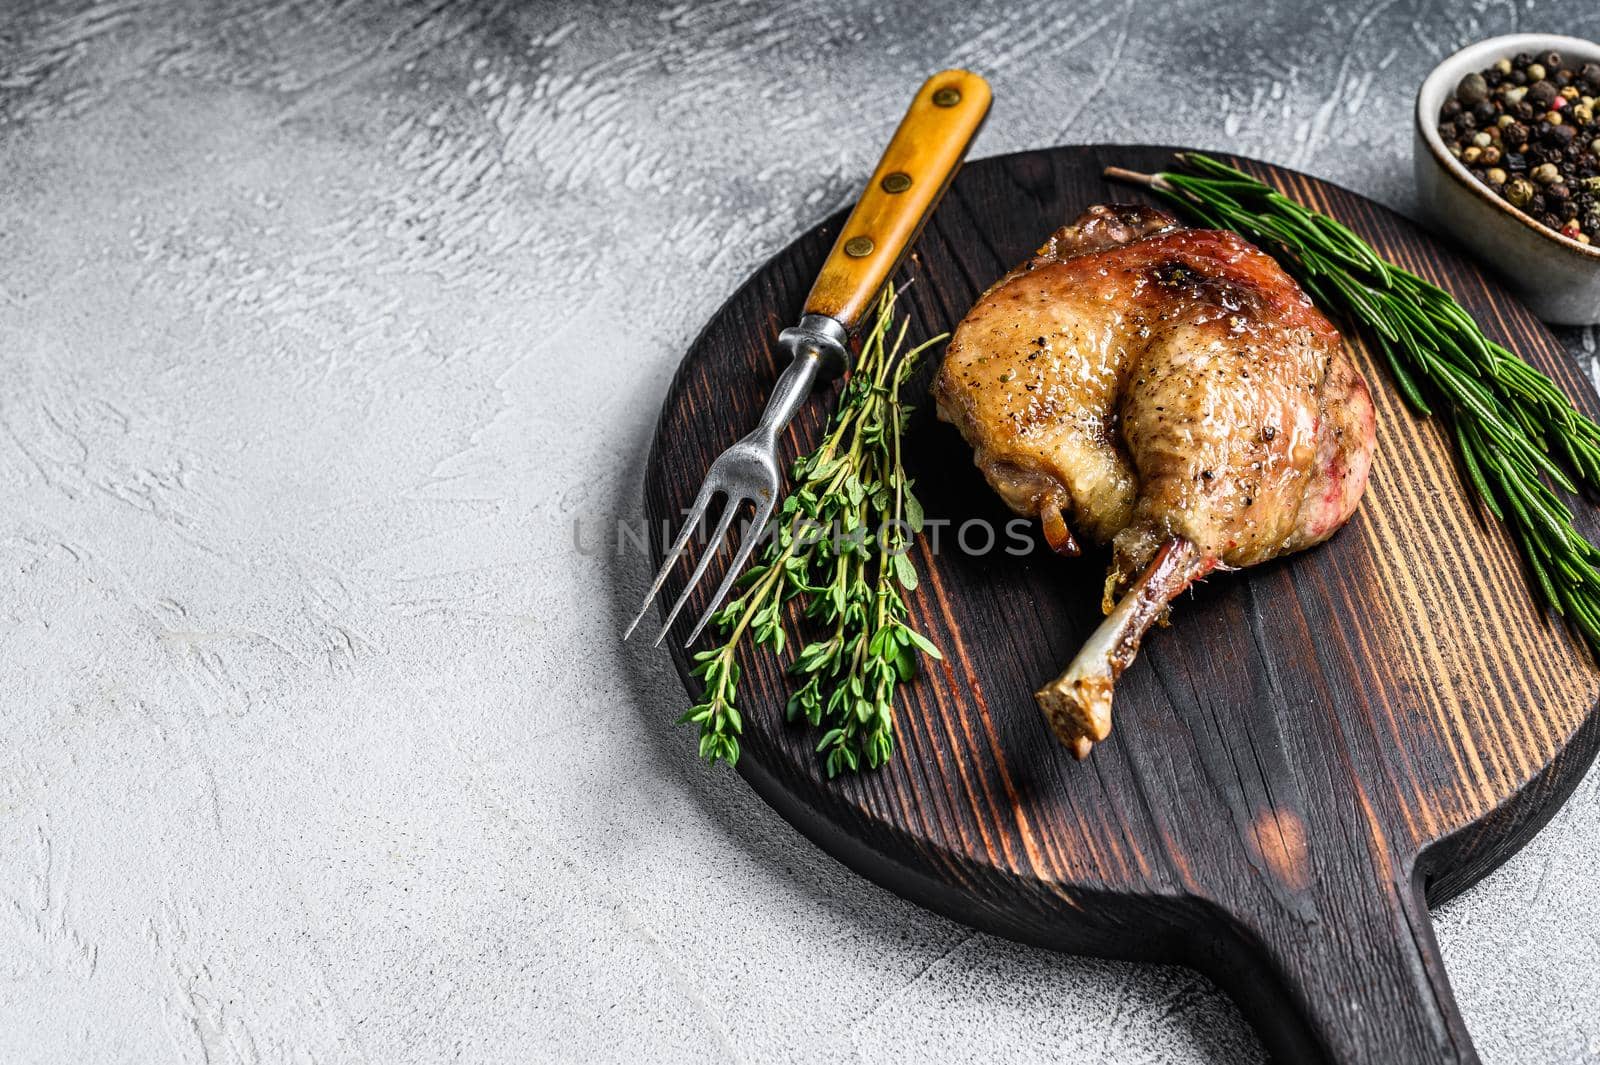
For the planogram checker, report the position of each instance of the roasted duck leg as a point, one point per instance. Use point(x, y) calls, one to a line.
point(1169, 391)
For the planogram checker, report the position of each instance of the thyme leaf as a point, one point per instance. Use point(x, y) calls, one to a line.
point(838, 549)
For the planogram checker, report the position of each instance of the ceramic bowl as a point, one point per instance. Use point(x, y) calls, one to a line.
point(1557, 277)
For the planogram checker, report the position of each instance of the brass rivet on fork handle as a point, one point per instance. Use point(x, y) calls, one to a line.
point(858, 247)
point(947, 97)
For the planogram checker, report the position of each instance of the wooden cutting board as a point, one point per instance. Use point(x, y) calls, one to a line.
point(1314, 749)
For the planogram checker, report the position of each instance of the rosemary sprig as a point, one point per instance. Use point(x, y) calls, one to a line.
point(839, 546)
point(1517, 433)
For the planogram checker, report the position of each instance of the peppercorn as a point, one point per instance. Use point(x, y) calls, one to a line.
point(1527, 127)
point(1472, 89)
point(1571, 231)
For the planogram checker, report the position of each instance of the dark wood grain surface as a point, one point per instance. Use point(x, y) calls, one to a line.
point(1312, 751)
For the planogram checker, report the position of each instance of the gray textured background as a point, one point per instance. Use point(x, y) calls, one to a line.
point(321, 325)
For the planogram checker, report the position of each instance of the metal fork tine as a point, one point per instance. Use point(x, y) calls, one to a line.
point(696, 512)
point(713, 545)
point(745, 547)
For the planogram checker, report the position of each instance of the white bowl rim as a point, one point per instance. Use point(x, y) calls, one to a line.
point(1478, 56)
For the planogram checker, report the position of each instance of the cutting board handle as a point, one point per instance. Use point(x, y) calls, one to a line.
point(923, 156)
point(1346, 974)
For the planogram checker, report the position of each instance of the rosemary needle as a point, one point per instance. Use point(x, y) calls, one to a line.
point(1517, 433)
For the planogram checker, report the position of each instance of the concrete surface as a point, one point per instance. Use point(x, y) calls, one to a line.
point(322, 324)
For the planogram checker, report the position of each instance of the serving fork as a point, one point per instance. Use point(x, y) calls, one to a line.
point(916, 168)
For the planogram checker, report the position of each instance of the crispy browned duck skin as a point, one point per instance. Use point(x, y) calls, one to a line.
point(1169, 391)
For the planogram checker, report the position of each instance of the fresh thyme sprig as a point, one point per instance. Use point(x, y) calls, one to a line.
point(839, 546)
point(1516, 431)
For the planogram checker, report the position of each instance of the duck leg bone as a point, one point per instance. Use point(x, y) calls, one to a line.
point(1078, 703)
point(1056, 532)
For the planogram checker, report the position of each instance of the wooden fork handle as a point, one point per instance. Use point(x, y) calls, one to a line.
point(915, 169)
